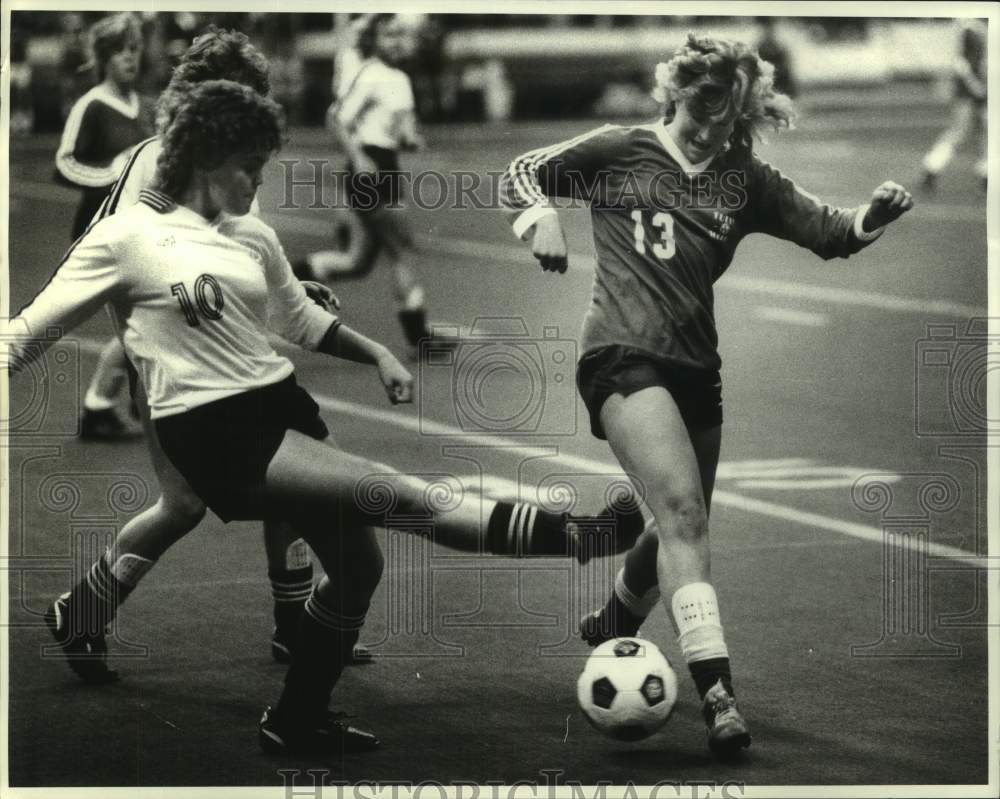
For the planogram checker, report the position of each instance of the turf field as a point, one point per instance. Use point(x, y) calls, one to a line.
point(854, 395)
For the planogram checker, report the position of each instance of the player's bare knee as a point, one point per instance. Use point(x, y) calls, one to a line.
point(184, 509)
point(687, 517)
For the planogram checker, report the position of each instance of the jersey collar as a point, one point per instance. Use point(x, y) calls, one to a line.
point(660, 129)
point(128, 109)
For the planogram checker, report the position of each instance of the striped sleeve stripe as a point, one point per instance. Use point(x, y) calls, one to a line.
point(70, 168)
point(156, 200)
point(111, 204)
point(524, 170)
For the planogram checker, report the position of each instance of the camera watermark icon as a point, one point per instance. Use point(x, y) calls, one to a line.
point(46, 369)
point(503, 381)
point(952, 370)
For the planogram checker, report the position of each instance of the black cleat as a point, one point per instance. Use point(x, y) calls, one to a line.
point(331, 735)
point(727, 729)
point(85, 654)
point(612, 531)
point(281, 650)
point(598, 627)
point(106, 425)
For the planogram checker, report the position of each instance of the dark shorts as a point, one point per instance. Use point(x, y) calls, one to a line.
point(619, 369)
point(223, 448)
point(371, 191)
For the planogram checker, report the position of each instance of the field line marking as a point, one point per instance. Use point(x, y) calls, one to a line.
point(719, 497)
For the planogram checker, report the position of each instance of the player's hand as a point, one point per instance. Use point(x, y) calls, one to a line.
point(889, 202)
point(396, 378)
point(321, 295)
point(548, 244)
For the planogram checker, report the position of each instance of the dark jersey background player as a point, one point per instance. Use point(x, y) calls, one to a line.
point(102, 128)
point(108, 121)
point(670, 202)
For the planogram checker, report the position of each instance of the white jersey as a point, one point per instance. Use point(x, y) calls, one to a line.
point(195, 297)
point(377, 107)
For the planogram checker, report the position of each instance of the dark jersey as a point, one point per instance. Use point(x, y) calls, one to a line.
point(99, 131)
point(665, 230)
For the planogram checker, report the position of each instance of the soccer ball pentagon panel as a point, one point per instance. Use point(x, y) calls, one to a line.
point(627, 689)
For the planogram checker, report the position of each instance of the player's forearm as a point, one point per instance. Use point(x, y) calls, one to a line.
point(341, 341)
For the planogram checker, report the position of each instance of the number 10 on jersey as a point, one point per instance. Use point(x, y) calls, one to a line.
point(663, 222)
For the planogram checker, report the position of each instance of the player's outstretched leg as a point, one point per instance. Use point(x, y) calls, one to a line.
point(640, 428)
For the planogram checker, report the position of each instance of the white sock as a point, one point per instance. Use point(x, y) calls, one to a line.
point(695, 612)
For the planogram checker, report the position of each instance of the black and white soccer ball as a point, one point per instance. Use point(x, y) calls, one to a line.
point(627, 689)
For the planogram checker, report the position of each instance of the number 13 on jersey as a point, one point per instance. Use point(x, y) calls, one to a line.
point(663, 222)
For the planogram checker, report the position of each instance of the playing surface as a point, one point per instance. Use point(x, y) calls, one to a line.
point(854, 662)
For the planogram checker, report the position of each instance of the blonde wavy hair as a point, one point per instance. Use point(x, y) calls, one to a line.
point(723, 78)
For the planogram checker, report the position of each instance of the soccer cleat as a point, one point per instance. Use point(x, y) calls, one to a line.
point(85, 654)
point(282, 653)
point(727, 729)
point(330, 736)
point(610, 532)
point(105, 425)
point(596, 628)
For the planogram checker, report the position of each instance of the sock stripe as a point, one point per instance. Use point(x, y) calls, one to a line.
point(529, 531)
point(511, 528)
point(331, 619)
point(102, 583)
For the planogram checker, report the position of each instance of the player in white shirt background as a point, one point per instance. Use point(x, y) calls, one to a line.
point(373, 119)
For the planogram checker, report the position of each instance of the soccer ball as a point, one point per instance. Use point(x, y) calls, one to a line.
point(627, 689)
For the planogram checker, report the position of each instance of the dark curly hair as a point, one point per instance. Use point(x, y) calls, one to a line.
point(216, 54)
point(720, 77)
point(215, 120)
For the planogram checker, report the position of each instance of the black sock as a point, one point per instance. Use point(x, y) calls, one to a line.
point(521, 530)
point(707, 673)
point(95, 599)
point(414, 322)
point(290, 588)
point(622, 621)
point(323, 645)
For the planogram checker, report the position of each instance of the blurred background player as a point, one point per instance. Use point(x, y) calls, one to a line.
point(373, 119)
point(968, 109)
point(102, 128)
point(773, 50)
point(649, 374)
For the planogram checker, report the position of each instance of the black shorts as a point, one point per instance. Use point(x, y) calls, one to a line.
point(619, 369)
point(223, 448)
point(371, 191)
